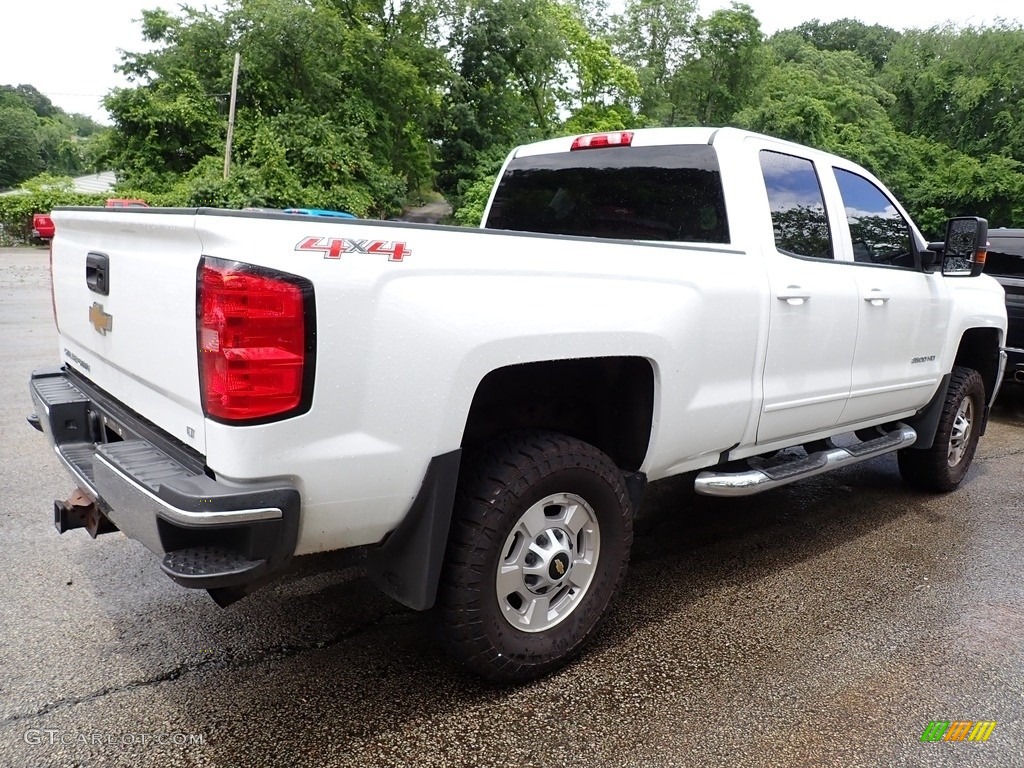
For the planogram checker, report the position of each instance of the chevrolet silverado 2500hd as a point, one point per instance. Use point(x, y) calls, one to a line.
point(479, 410)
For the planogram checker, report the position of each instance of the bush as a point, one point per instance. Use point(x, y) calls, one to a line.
point(278, 185)
point(16, 210)
point(474, 191)
point(474, 201)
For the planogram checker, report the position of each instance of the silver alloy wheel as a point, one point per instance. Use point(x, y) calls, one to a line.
point(960, 437)
point(548, 562)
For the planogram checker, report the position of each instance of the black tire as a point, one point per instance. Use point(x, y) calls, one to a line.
point(945, 464)
point(554, 499)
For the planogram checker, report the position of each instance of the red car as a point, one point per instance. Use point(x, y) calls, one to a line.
point(42, 226)
point(124, 202)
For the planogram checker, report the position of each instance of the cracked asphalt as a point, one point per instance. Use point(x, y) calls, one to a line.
point(822, 624)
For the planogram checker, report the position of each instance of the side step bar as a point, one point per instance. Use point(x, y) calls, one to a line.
point(756, 480)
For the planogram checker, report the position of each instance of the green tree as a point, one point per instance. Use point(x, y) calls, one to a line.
point(42, 130)
point(19, 145)
point(598, 78)
point(731, 59)
point(524, 70)
point(961, 87)
point(163, 130)
point(60, 148)
point(334, 101)
point(29, 96)
point(812, 96)
point(830, 100)
point(869, 41)
point(936, 181)
point(507, 60)
point(655, 38)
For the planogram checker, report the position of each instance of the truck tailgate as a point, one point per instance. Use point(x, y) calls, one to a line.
point(124, 285)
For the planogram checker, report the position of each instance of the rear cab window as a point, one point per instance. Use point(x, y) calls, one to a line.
point(667, 193)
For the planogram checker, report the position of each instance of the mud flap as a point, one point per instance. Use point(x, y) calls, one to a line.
point(407, 566)
point(926, 421)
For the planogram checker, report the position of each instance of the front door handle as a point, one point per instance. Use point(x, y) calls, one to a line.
point(794, 295)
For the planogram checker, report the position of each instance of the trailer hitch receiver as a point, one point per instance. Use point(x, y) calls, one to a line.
point(81, 511)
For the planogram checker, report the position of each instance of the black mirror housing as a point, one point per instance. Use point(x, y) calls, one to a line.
point(965, 247)
point(930, 256)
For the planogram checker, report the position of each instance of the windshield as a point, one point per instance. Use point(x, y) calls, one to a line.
point(671, 192)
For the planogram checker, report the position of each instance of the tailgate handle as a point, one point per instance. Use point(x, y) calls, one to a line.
point(97, 273)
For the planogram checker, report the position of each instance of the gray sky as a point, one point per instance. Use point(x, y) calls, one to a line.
point(68, 48)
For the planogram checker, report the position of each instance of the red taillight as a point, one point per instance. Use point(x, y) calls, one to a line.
point(596, 140)
point(254, 350)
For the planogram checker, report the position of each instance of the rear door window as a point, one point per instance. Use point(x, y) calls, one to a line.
point(797, 205)
point(671, 192)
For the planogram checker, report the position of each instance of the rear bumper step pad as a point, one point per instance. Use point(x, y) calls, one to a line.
point(209, 533)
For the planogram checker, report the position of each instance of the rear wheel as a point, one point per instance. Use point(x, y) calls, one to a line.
point(538, 550)
point(945, 464)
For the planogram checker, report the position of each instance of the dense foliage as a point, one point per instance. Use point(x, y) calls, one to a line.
point(367, 104)
point(36, 136)
point(334, 103)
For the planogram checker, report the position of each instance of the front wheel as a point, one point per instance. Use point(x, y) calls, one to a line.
point(945, 464)
point(538, 550)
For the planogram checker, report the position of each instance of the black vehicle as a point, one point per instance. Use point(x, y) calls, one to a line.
point(1006, 264)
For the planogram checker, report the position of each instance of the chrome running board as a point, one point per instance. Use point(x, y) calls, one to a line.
point(756, 480)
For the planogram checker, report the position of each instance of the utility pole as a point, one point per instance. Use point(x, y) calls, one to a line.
point(231, 115)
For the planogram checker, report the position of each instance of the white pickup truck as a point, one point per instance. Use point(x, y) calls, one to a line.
point(477, 411)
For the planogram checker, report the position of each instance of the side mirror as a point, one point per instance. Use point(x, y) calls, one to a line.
point(966, 246)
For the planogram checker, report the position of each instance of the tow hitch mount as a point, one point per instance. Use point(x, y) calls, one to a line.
point(80, 511)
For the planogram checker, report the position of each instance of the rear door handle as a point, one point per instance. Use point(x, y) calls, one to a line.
point(794, 295)
point(876, 298)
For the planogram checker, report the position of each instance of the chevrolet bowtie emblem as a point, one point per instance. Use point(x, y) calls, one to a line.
point(100, 320)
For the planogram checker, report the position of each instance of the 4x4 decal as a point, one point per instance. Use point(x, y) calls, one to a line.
point(334, 247)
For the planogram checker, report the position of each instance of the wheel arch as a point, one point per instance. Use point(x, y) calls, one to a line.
point(979, 349)
point(605, 401)
point(944, 465)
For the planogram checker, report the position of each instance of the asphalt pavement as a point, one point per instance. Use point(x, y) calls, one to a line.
point(822, 624)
